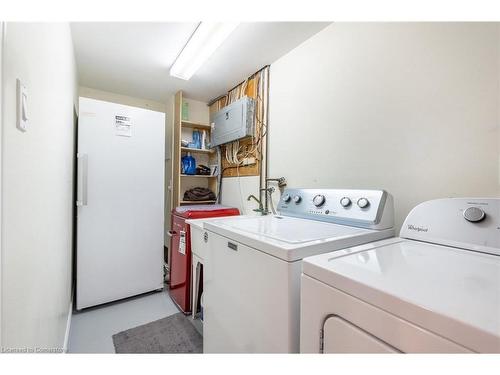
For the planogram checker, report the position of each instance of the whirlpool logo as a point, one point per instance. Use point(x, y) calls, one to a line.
point(417, 229)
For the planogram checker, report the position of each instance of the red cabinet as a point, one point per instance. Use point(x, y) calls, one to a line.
point(180, 243)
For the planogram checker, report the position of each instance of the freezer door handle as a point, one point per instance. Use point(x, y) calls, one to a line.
point(82, 169)
point(232, 246)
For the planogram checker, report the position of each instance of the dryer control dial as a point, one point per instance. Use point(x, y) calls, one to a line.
point(345, 202)
point(297, 199)
point(363, 203)
point(319, 200)
point(286, 198)
point(474, 214)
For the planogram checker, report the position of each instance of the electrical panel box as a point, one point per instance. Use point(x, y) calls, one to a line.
point(234, 121)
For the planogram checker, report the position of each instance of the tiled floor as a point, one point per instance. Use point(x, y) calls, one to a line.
point(91, 330)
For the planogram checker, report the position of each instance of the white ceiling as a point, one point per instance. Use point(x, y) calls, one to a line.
point(133, 58)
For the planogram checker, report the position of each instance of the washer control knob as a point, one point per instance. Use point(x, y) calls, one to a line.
point(286, 198)
point(474, 214)
point(319, 200)
point(363, 203)
point(297, 199)
point(345, 202)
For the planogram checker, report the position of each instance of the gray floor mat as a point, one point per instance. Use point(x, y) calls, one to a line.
point(173, 334)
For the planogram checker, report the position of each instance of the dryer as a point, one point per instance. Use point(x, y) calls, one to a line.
point(253, 264)
point(435, 289)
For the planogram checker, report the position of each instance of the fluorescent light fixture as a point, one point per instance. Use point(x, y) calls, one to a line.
point(207, 37)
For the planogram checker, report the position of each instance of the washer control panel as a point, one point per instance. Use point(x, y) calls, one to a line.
point(357, 207)
point(319, 200)
point(345, 201)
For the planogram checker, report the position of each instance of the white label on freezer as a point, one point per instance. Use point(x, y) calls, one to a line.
point(123, 126)
point(182, 242)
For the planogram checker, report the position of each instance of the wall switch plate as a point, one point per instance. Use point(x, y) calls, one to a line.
point(22, 107)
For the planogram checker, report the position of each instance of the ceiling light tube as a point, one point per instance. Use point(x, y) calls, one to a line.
point(207, 37)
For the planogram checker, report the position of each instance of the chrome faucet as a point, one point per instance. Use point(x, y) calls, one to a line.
point(268, 191)
point(261, 208)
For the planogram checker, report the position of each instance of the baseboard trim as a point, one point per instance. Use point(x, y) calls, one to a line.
point(68, 327)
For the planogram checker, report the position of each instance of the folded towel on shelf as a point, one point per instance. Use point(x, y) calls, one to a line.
point(199, 194)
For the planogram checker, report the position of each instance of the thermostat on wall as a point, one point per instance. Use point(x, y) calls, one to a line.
point(22, 107)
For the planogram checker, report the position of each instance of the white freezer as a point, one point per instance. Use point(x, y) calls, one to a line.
point(120, 199)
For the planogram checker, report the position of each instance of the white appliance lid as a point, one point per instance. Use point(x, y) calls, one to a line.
point(424, 283)
point(288, 229)
point(292, 238)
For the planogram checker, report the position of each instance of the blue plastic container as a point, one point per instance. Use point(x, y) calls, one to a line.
point(188, 164)
point(196, 139)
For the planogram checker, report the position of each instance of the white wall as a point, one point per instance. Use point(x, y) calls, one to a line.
point(411, 108)
point(107, 96)
point(38, 185)
point(235, 191)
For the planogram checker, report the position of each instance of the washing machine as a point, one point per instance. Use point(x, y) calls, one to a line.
point(434, 289)
point(252, 269)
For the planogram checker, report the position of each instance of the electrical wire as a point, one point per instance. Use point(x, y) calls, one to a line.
point(243, 208)
point(219, 176)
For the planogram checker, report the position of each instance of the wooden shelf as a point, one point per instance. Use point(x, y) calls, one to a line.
point(196, 202)
point(197, 175)
point(181, 182)
point(196, 150)
point(195, 125)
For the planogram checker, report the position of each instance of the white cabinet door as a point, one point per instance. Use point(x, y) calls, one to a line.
point(121, 152)
point(340, 336)
point(247, 303)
